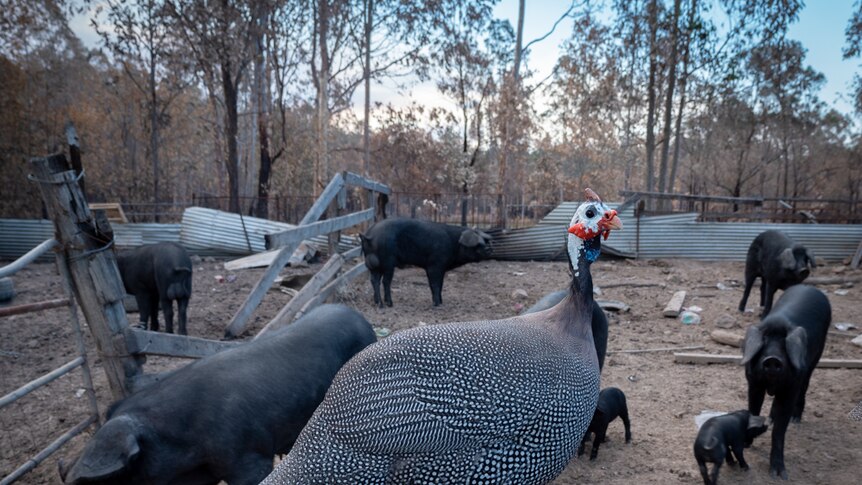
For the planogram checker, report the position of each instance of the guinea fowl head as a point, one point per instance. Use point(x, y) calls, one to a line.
point(591, 221)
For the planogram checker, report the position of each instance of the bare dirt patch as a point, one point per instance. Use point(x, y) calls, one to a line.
point(663, 397)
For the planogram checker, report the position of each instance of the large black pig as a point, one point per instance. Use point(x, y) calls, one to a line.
point(226, 416)
point(779, 262)
point(433, 246)
point(158, 274)
point(780, 354)
point(599, 321)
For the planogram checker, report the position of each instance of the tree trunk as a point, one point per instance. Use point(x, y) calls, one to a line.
point(651, 88)
point(366, 132)
point(511, 99)
point(321, 161)
point(154, 127)
point(261, 84)
point(231, 132)
point(668, 103)
point(683, 81)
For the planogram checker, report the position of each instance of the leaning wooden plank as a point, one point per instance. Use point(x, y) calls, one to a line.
point(288, 311)
point(688, 358)
point(351, 178)
point(259, 260)
point(299, 233)
point(727, 338)
point(240, 319)
point(319, 207)
point(329, 289)
point(674, 306)
point(158, 343)
point(854, 263)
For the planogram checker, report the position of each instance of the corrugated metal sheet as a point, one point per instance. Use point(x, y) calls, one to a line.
point(678, 236)
point(209, 230)
point(17, 236)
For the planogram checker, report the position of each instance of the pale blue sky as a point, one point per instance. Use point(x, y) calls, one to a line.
point(820, 29)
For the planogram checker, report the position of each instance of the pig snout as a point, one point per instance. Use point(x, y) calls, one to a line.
point(772, 366)
point(803, 273)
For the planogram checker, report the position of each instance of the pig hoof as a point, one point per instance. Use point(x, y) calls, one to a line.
point(778, 473)
point(795, 419)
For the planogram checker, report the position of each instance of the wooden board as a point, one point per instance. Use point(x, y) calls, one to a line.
point(674, 306)
point(299, 233)
point(158, 343)
point(265, 258)
point(112, 209)
point(854, 263)
point(692, 358)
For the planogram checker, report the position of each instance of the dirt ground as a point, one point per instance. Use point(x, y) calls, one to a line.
point(663, 397)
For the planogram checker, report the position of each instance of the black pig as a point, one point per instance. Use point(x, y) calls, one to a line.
point(226, 416)
point(779, 262)
point(612, 403)
point(158, 274)
point(433, 246)
point(722, 437)
point(780, 354)
point(599, 324)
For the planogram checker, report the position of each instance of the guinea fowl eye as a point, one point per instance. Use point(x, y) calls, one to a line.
point(591, 213)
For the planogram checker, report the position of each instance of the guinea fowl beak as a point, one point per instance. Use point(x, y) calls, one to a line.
point(610, 221)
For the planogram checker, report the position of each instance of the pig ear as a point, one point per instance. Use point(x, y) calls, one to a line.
point(796, 345)
point(811, 260)
point(786, 259)
point(470, 238)
point(756, 421)
point(752, 345)
point(110, 451)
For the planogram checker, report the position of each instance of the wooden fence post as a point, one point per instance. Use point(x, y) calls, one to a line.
point(86, 245)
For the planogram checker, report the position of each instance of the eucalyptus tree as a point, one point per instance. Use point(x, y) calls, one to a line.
point(218, 39)
point(464, 76)
point(137, 34)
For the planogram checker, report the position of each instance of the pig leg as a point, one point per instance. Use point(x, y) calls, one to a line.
point(182, 309)
point(749, 282)
point(755, 399)
point(435, 281)
point(143, 310)
point(375, 285)
point(583, 443)
point(599, 439)
point(728, 455)
point(168, 310)
point(737, 450)
point(762, 292)
point(387, 284)
point(150, 311)
point(704, 472)
point(782, 407)
point(770, 294)
point(800, 399)
point(624, 415)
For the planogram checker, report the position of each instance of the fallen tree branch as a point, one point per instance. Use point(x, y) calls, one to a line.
point(833, 280)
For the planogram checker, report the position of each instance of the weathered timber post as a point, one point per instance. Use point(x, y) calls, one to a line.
point(85, 244)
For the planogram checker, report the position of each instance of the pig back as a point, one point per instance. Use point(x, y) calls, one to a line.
point(259, 394)
point(807, 307)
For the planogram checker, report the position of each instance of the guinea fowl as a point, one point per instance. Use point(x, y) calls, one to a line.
point(504, 401)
